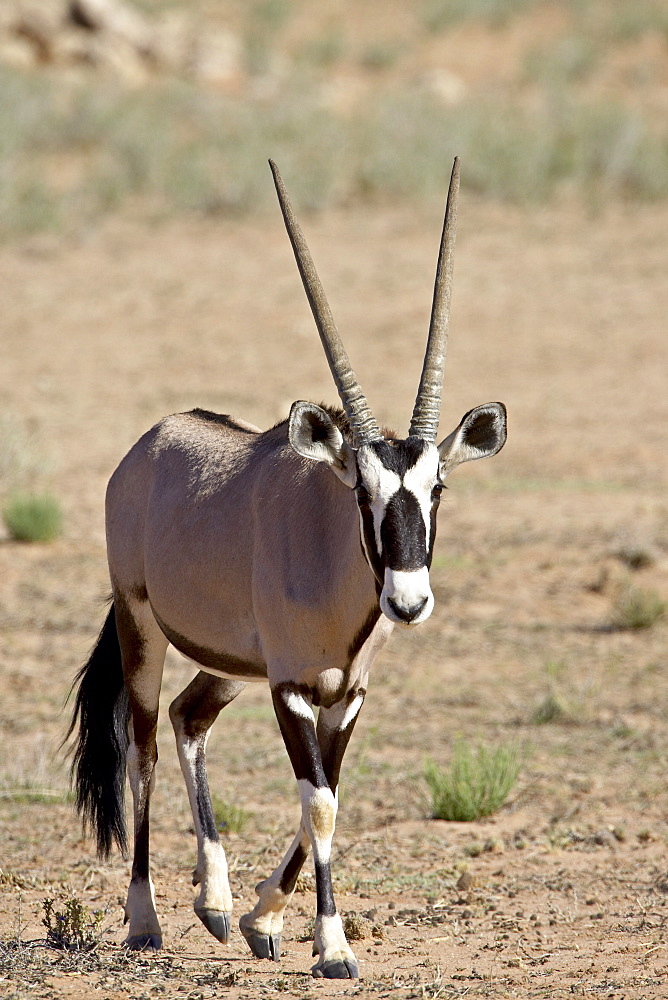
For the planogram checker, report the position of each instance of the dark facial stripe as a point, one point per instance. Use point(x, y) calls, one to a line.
point(402, 533)
point(399, 456)
point(432, 529)
point(371, 554)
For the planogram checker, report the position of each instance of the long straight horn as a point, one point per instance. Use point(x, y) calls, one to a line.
point(362, 421)
point(427, 410)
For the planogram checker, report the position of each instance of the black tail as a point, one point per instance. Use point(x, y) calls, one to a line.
point(101, 714)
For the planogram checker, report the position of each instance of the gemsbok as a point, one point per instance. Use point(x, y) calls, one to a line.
point(285, 555)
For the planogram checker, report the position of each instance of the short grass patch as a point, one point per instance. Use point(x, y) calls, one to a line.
point(560, 706)
point(476, 784)
point(637, 608)
point(33, 517)
point(229, 818)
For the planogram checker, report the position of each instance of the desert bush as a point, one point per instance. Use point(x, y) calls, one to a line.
point(637, 608)
point(599, 149)
point(33, 517)
point(476, 784)
point(173, 147)
point(74, 928)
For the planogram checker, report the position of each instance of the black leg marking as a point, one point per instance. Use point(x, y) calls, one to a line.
point(192, 715)
point(298, 731)
point(142, 651)
point(323, 888)
point(204, 805)
point(332, 738)
point(301, 741)
point(292, 869)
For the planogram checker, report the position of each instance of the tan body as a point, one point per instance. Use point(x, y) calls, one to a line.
point(249, 555)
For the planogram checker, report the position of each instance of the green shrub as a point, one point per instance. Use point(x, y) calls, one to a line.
point(477, 783)
point(33, 517)
point(229, 818)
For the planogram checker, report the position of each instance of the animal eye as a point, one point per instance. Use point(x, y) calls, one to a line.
point(437, 489)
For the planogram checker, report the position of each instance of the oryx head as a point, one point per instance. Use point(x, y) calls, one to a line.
point(397, 483)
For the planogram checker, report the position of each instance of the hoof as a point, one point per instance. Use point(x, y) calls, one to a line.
point(336, 969)
point(217, 922)
point(144, 942)
point(262, 945)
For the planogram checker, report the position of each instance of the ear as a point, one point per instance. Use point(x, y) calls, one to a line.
point(313, 434)
point(482, 432)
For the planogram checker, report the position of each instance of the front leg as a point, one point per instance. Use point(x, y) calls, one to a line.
point(263, 926)
point(316, 771)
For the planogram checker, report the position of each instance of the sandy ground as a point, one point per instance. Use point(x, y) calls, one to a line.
point(563, 317)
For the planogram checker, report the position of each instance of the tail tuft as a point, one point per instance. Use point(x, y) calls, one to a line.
point(100, 717)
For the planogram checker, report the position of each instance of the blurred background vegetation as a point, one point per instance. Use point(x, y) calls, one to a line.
point(162, 106)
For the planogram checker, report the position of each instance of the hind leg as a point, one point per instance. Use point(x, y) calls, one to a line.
point(193, 713)
point(143, 648)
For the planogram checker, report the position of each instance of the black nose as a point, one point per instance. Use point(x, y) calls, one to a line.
point(407, 614)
